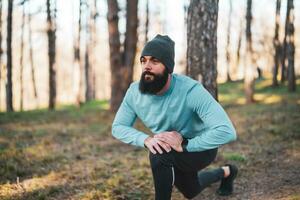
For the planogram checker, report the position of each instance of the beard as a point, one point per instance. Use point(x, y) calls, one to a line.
point(151, 83)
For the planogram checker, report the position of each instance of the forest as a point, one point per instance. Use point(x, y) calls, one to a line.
point(65, 67)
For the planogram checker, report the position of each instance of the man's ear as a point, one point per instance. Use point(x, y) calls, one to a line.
point(141, 58)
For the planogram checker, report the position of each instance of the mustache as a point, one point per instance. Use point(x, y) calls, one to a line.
point(148, 73)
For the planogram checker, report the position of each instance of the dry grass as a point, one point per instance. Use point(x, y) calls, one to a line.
point(70, 154)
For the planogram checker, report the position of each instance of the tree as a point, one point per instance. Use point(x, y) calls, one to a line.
point(249, 71)
point(202, 43)
point(89, 56)
point(31, 54)
point(9, 85)
point(147, 21)
point(238, 49)
point(0, 45)
point(228, 42)
point(87, 64)
point(290, 46)
point(121, 60)
point(77, 59)
point(51, 29)
point(277, 45)
point(21, 55)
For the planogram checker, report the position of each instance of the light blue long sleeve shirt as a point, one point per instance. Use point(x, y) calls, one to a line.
point(186, 107)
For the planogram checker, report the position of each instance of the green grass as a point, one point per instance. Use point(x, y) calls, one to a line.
point(234, 157)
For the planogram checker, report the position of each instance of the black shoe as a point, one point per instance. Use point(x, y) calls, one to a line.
point(226, 187)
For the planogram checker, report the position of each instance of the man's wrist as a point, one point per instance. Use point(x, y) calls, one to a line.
point(146, 140)
point(184, 144)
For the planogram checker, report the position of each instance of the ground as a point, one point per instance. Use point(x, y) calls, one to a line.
point(70, 153)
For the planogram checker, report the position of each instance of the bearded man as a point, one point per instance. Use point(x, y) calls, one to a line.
point(187, 123)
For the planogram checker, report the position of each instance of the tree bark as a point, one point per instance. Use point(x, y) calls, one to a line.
point(87, 66)
point(0, 47)
point(89, 56)
point(21, 57)
point(228, 59)
point(121, 62)
point(31, 56)
point(9, 85)
point(51, 54)
point(238, 50)
point(291, 47)
point(94, 16)
point(77, 58)
point(147, 21)
point(284, 49)
point(249, 71)
point(202, 43)
point(277, 45)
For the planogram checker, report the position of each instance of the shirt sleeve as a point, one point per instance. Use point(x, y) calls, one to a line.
point(122, 127)
point(218, 129)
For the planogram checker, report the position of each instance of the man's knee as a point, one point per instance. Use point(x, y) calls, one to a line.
point(190, 195)
point(160, 159)
point(188, 192)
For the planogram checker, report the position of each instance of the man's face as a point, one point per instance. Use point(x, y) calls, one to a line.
point(154, 75)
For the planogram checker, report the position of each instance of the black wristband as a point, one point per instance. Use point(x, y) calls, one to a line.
point(184, 143)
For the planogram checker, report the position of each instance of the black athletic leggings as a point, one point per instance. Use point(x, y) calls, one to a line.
point(182, 170)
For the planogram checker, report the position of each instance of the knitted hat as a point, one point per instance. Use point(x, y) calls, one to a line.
point(162, 48)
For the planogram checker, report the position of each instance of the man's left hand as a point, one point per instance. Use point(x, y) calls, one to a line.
point(173, 138)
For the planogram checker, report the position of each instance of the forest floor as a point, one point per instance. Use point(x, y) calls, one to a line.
point(70, 153)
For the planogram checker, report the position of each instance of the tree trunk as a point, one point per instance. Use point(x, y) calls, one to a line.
point(121, 62)
point(284, 49)
point(202, 43)
point(21, 57)
point(238, 50)
point(130, 42)
point(51, 54)
point(88, 75)
point(87, 65)
point(147, 21)
point(291, 47)
point(228, 78)
point(0, 47)
point(89, 56)
point(31, 56)
point(276, 45)
point(77, 58)
point(94, 16)
point(249, 71)
point(9, 85)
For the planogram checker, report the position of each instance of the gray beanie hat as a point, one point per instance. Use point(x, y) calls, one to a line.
point(162, 48)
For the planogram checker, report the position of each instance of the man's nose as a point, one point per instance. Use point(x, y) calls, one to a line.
point(147, 66)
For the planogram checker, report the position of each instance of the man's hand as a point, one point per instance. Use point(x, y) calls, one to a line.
point(173, 138)
point(155, 145)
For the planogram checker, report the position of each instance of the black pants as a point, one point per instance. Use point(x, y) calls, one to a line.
point(182, 170)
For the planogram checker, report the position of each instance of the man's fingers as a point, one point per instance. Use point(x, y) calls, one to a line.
point(156, 146)
point(165, 146)
point(151, 149)
point(167, 139)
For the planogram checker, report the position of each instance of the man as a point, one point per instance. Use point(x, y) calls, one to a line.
point(187, 123)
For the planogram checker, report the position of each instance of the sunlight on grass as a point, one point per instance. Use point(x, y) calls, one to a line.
point(294, 197)
point(267, 99)
point(241, 101)
point(12, 190)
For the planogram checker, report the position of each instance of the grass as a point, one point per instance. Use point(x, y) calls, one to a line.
point(234, 157)
point(70, 154)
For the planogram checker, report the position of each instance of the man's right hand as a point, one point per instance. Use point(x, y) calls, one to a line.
point(155, 145)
